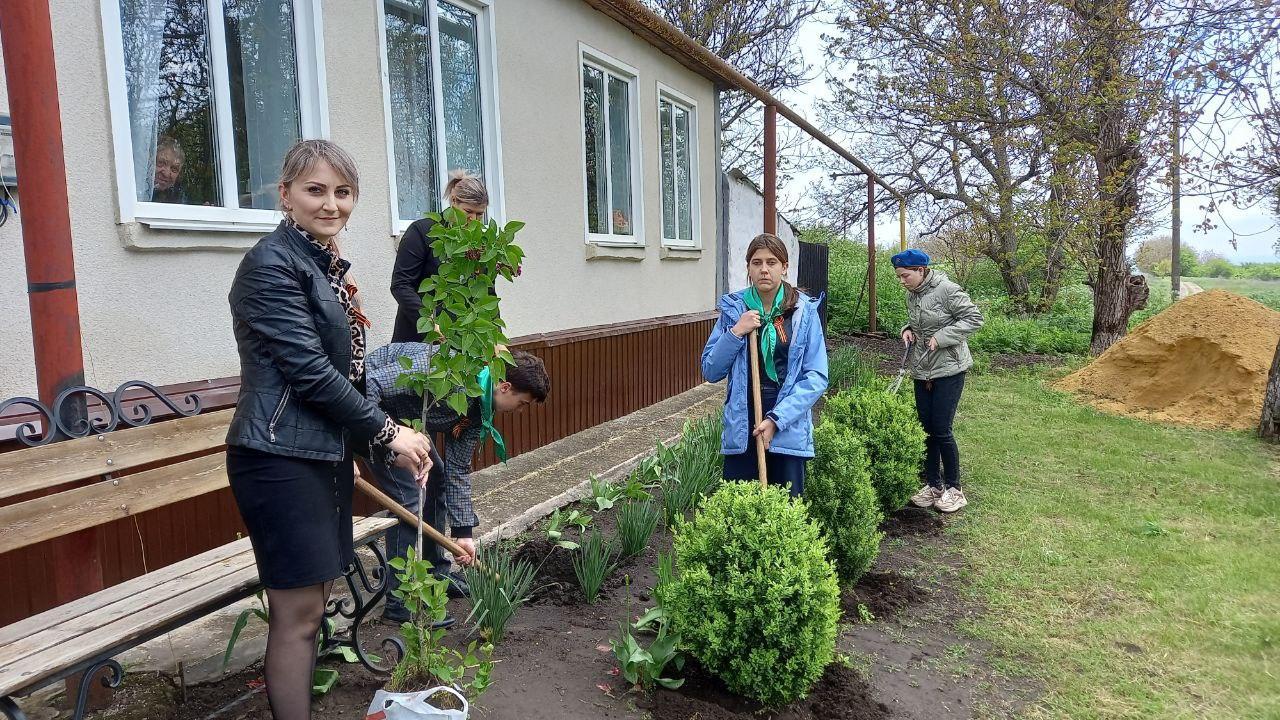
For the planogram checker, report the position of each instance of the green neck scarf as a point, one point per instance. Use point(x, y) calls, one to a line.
point(768, 333)
point(486, 416)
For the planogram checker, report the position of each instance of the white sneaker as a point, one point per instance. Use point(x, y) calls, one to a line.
point(927, 496)
point(951, 500)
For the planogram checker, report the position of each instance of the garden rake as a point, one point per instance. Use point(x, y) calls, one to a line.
point(902, 370)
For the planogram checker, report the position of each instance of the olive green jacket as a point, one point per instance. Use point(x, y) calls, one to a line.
point(940, 309)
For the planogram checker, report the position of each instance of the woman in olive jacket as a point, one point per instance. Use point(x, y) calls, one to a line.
point(942, 318)
point(302, 412)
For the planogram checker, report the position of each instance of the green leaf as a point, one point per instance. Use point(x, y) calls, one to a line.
point(241, 620)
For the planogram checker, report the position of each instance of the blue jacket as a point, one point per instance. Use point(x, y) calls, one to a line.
point(726, 356)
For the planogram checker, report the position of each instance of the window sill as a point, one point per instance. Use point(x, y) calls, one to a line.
point(630, 253)
point(169, 234)
point(678, 252)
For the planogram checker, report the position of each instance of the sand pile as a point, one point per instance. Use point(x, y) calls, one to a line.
point(1202, 362)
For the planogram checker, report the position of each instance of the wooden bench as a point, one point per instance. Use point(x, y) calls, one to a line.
point(111, 474)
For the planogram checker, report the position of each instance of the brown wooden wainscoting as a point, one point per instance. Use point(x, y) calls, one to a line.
point(597, 374)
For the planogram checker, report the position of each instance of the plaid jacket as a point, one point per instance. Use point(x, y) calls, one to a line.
point(382, 367)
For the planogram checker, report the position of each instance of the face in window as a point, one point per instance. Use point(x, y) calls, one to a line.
point(320, 200)
point(168, 168)
point(766, 271)
point(621, 225)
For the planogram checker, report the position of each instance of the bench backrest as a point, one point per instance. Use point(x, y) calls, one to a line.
point(113, 459)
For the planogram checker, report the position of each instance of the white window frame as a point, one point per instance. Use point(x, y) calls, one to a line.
point(313, 109)
point(689, 105)
point(486, 37)
point(588, 55)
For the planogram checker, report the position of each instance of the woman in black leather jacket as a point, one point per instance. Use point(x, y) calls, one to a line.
point(302, 411)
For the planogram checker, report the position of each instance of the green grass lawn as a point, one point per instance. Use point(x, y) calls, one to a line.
point(1266, 292)
point(1134, 569)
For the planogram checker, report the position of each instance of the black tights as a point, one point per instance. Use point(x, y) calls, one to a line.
point(295, 617)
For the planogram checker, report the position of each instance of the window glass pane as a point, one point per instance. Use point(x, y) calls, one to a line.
point(597, 164)
point(620, 156)
point(684, 178)
point(668, 169)
point(460, 83)
point(171, 117)
point(413, 131)
point(263, 71)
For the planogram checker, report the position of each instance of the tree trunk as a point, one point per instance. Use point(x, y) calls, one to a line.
point(1269, 428)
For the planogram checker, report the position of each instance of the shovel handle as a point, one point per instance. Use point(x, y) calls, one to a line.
point(754, 350)
point(406, 515)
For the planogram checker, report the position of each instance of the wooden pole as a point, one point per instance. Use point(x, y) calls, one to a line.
point(761, 468)
point(871, 257)
point(404, 514)
point(1175, 262)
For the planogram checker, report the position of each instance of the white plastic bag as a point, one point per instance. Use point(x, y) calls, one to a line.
point(414, 706)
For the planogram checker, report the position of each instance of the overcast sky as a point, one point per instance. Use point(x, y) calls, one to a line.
point(1255, 227)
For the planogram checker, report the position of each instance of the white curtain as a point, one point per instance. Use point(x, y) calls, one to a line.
point(142, 30)
point(408, 32)
point(260, 35)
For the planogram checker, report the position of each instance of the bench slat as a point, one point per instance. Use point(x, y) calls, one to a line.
point(51, 516)
point(43, 655)
point(23, 471)
point(129, 588)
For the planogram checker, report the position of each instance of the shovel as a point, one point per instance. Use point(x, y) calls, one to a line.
point(902, 370)
point(754, 351)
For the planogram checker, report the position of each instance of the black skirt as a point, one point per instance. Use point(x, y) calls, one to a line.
point(298, 513)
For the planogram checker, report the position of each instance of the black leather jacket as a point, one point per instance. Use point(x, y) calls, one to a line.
point(295, 355)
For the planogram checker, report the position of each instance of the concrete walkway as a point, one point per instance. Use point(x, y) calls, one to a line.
point(508, 498)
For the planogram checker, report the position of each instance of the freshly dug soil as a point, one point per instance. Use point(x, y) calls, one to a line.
point(554, 582)
point(841, 694)
point(884, 594)
point(913, 522)
point(1203, 362)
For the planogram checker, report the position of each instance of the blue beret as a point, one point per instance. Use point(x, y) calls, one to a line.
point(910, 258)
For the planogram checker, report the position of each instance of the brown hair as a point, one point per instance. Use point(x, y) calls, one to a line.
point(466, 189)
point(529, 375)
point(774, 246)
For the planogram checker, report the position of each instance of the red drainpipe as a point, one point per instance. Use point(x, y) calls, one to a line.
point(771, 169)
point(27, 39)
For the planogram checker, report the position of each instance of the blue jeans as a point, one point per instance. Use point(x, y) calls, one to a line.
point(403, 488)
point(936, 402)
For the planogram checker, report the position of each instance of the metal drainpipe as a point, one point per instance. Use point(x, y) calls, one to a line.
point(27, 38)
point(771, 169)
point(722, 208)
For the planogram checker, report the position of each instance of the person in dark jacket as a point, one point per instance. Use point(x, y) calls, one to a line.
point(448, 494)
point(302, 411)
point(942, 318)
point(415, 260)
point(793, 365)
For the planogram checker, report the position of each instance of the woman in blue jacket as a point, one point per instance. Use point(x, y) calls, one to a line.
point(793, 365)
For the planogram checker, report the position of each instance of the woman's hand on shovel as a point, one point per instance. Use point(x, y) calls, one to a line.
point(749, 321)
point(413, 452)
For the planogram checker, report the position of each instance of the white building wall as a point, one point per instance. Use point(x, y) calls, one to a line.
point(746, 220)
point(161, 314)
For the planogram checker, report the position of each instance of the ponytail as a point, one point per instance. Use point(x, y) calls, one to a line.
point(464, 188)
